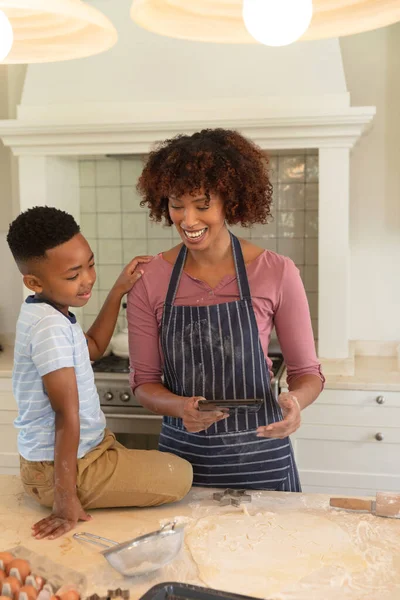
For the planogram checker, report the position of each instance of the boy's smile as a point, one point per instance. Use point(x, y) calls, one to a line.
point(66, 275)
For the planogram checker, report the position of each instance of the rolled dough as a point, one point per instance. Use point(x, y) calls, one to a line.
point(262, 555)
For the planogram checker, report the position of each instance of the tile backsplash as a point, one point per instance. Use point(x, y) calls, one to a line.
point(119, 229)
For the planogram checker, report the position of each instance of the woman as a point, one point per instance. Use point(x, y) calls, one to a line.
point(202, 314)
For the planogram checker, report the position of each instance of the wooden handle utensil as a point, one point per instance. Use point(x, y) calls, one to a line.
point(352, 504)
point(387, 504)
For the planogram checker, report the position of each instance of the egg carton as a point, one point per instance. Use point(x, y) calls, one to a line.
point(55, 574)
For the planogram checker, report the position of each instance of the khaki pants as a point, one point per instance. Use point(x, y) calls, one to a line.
point(110, 475)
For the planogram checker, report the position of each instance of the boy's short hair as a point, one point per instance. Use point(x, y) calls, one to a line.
point(39, 229)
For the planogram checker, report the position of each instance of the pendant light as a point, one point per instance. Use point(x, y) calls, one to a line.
point(6, 36)
point(277, 22)
point(52, 30)
point(223, 21)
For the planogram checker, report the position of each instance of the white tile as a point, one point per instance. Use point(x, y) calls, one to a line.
point(108, 275)
point(311, 278)
point(131, 170)
point(134, 226)
point(88, 225)
point(93, 245)
point(314, 323)
point(311, 193)
point(291, 196)
point(102, 296)
point(110, 252)
point(311, 223)
point(92, 307)
point(313, 304)
point(87, 321)
point(273, 168)
point(312, 168)
point(175, 234)
point(107, 173)
point(108, 199)
point(157, 231)
point(130, 200)
point(87, 171)
point(258, 231)
point(291, 224)
point(109, 225)
point(132, 248)
point(291, 168)
point(88, 199)
point(156, 246)
point(293, 248)
point(266, 243)
point(239, 231)
point(311, 251)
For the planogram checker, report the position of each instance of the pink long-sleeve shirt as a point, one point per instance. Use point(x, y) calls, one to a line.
point(278, 297)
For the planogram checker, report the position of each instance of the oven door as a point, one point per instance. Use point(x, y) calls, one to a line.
point(134, 427)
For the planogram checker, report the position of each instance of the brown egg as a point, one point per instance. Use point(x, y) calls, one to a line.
point(20, 567)
point(4, 597)
point(30, 591)
point(11, 586)
point(5, 558)
point(70, 595)
point(2, 576)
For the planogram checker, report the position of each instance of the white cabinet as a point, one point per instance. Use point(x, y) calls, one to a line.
point(9, 457)
point(349, 443)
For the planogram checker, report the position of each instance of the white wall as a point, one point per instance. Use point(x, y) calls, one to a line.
point(372, 67)
point(11, 82)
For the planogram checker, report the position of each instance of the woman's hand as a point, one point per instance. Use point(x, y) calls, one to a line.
point(195, 420)
point(291, 419)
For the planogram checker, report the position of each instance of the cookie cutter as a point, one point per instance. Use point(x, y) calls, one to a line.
point(232, 496)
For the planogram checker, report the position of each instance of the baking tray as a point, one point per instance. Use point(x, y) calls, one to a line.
point(181, 591)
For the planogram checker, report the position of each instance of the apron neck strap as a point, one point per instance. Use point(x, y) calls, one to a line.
point(243, 282)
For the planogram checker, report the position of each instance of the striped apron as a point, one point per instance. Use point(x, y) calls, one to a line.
point(215, 352)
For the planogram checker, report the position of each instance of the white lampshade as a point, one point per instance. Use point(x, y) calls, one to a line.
point(222, 20)
point(277, 23)
point(55, 30)
point(6, 36)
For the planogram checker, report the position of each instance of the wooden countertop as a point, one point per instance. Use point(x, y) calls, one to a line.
point(379, 537)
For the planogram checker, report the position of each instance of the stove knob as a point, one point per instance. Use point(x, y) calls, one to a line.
point(108, 396)
point(125, 397)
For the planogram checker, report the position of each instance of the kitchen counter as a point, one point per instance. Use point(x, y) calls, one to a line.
point(379, 373)
point(378, 539)
point(375, 373)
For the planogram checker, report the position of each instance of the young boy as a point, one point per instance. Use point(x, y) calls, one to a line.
point(69, 460)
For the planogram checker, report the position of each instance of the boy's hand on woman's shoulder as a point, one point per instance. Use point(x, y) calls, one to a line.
point(130, 275)
point(65, 515)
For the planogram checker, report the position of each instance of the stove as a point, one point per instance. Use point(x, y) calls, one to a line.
point(134, 425)
point(111, 364)
point(112, 380)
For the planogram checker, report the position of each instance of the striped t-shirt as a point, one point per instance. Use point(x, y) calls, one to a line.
point(47, 340)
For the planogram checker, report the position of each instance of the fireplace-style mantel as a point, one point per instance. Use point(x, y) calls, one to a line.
point(48, 146)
